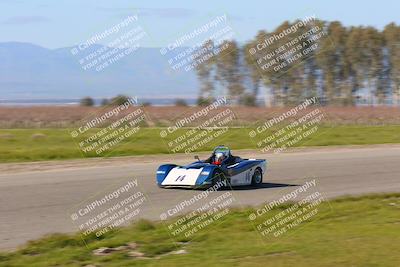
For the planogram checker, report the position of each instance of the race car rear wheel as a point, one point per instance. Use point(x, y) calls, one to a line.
point(257, 177)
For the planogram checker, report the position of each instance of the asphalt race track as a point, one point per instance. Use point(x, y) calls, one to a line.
point(34, 202)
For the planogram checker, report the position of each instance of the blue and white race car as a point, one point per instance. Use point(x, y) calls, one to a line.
point(221, 166)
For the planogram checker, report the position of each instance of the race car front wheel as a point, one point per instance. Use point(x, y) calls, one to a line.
point(257, 177)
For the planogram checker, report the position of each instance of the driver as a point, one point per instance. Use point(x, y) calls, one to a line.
point(221, 156)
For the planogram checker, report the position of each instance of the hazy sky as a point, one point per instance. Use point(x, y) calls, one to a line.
point(60, 23)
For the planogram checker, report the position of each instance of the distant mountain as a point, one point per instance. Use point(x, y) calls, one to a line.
point(29, 71)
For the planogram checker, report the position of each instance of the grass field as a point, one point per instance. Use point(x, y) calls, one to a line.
point(73, 116)
point(358, 231)
point(18, 145)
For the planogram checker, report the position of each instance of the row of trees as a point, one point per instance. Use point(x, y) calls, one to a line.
point(87, 101)
point(350, 65)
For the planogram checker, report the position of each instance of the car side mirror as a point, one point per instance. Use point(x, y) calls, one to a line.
point(197, 157)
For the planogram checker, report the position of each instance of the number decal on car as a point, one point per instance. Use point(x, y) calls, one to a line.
point(248, 176)
point(180, 178)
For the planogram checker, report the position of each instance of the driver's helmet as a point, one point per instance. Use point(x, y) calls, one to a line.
point(219, 157)
point(220, 153)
